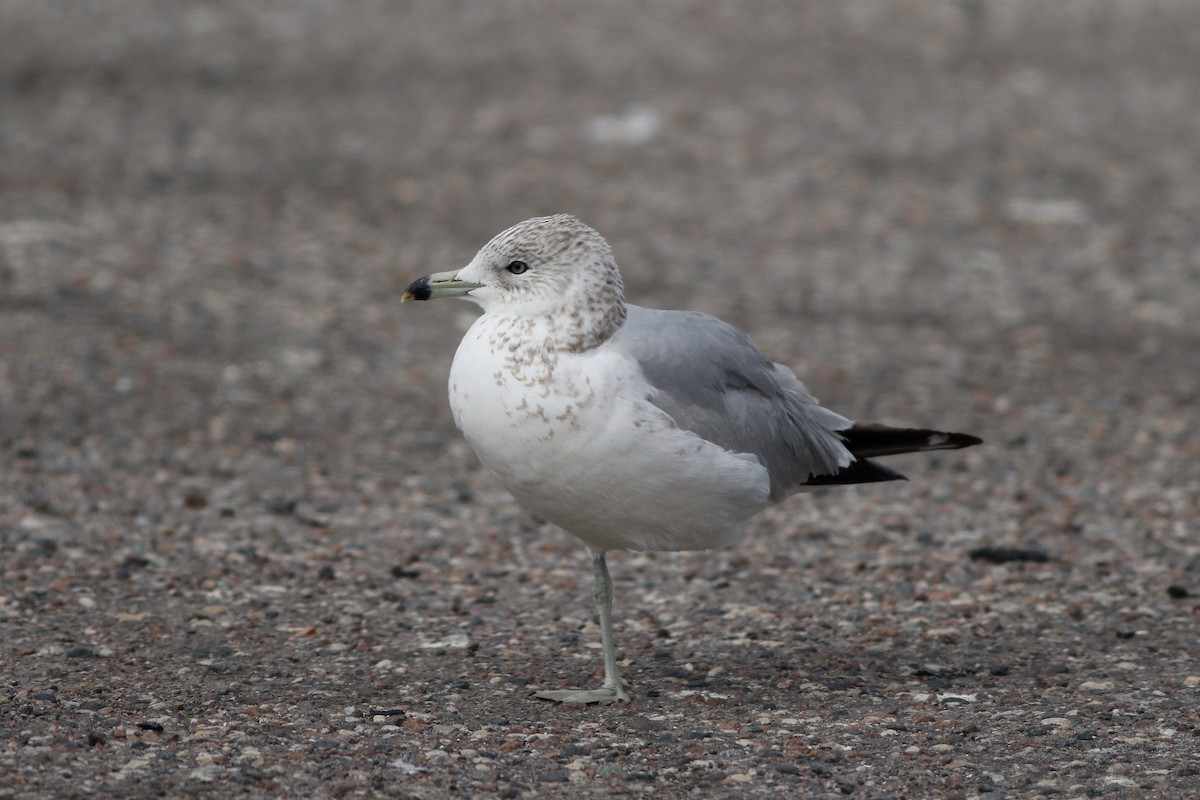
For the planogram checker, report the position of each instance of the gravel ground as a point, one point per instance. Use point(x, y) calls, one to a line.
point(245, 553)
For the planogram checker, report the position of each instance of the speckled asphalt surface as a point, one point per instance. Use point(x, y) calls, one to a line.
point(243, 551)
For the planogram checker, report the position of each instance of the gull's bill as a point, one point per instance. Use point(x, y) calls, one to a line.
point(439, 284)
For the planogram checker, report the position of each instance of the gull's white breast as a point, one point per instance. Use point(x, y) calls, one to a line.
point(575, 440)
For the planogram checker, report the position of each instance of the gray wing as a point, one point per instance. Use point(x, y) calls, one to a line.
point(709, 378)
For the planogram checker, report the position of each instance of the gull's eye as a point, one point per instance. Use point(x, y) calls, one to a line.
point(517, 267)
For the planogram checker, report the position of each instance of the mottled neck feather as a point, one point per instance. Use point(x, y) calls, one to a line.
point(594, 310)
point(583, 332)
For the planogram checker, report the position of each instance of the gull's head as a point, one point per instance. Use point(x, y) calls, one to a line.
point(543, 267)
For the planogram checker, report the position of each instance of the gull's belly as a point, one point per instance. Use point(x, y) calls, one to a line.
point(575, 441)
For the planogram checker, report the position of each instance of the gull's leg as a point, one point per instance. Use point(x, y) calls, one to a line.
point(613, 690)
point(602, 594)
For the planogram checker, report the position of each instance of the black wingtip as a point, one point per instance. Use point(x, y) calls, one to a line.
point(861, 471)
point(872, 441)
point(957, 441)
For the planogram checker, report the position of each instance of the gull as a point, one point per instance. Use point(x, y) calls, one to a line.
point(632, 427)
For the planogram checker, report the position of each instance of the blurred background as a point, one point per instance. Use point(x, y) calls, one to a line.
point(971, 213)
point(212, 203)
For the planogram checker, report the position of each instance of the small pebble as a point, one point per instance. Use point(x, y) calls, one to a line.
point(1096, 686)
point(195, 499)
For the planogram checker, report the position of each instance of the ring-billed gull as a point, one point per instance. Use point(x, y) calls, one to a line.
point(631, 427)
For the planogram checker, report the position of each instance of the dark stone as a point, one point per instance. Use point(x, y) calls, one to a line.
point(246, 777)
point(280, 505)
point(131, 563)
point(1003, 555)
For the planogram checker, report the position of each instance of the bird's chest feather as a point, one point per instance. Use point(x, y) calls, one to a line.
point(526, 410)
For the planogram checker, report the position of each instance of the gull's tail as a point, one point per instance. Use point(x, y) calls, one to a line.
point(871, 441)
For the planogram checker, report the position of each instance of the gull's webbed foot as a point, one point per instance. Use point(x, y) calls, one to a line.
point(605, 694)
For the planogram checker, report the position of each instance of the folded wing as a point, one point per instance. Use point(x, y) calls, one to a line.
point(711, 380)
